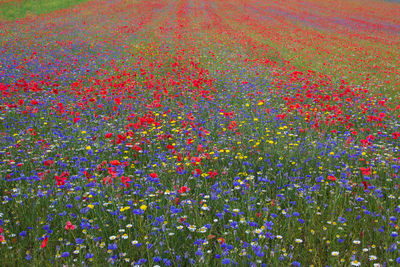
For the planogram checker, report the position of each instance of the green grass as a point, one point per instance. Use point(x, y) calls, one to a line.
point(13, 10)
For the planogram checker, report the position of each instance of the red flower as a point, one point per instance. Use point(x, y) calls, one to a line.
point(331, 178)
point(60, 180)
point(115, 162)
point(125, 181)
point(70, 226)
point(197, 172)
point(44, 242)
point(200, 148)
point(48, 162)
point(117, 101)
point(195, 160)
point(183, 189)
point(190, 117)
point(365, 184)
point(221, 240)
point(153, 175)
point(365, 171)
point(108, 135)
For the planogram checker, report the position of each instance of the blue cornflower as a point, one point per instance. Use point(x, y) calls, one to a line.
point(226, 261)
point(89, 255)
point(199, 253)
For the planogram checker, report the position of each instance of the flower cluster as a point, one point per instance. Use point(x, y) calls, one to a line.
point(176, 133)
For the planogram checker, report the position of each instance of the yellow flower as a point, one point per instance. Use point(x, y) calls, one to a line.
point(143, 207)
point(88, 147)
point(90, 206)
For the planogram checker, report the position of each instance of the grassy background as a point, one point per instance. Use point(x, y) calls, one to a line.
point(12, 10)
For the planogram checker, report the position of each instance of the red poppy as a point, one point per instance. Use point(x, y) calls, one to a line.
point(365, 171)
point(44, 242)
point(331, 178)
point(70, 226)
point(183, 189)
point(48, 162)
point(365, 184)
point(115, 162)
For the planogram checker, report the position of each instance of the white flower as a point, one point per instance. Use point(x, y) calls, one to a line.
point(258, 231)
point(205, 207)
point(298, 241)
point(372, 257)
point(202, 229)
point(356, 242)
point(335, 253)
point(355, 263)
point(113, 237)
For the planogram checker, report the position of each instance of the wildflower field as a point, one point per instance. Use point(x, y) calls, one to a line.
point(199, 132)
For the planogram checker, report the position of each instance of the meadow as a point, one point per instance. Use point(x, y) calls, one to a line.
point(199, 132)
